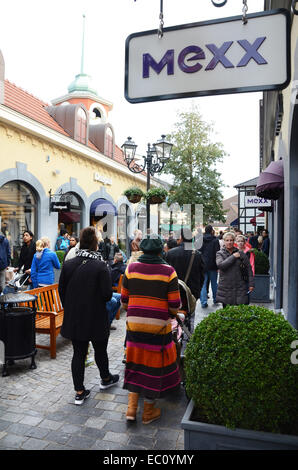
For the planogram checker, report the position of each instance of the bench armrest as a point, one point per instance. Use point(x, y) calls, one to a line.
point(46, 313)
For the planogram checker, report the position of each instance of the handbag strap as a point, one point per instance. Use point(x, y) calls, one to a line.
point(189, 266)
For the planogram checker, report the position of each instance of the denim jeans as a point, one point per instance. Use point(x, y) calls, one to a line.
point(113, 306)
point(212, 275)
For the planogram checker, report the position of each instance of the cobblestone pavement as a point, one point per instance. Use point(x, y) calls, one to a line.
point(37, 409)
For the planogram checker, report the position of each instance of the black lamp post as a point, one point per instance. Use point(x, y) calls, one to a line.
point(154, 161)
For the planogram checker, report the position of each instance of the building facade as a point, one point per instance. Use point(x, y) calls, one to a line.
point(62, 152)
point(279, 143)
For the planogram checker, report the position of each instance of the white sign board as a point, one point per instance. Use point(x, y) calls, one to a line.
point(214, 57)
point(255, 201)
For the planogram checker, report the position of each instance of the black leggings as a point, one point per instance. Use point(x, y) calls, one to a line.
point(80, 350)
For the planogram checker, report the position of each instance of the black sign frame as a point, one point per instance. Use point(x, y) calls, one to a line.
point(225, 91)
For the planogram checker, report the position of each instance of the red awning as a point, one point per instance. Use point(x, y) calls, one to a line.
point(69, 217)
point(253, 221)
point(271, 181)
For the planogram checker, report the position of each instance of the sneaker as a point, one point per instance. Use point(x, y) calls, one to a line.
point(204, 305)
point(81, 397)
point(109, 383)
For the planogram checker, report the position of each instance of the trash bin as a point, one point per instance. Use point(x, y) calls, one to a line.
point(17, 329)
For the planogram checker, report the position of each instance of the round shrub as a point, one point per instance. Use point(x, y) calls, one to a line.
point(60, 254)
point(262, 264)
point(239, 372)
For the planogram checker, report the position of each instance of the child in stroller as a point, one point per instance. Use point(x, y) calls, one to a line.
point(17, 283)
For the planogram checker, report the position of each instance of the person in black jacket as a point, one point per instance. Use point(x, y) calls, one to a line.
point(117, 268)
point(26, 256)
point(208, 250)
point(180, 258)
point(84, 287)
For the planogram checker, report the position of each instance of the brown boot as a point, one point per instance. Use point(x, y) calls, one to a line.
point(133, 399)
point(150, 413)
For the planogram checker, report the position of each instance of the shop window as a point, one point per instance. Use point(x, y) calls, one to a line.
point(71, 220)
point(18, 213)
point(81, 126)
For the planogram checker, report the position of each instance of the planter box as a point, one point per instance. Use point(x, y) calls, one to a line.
point(261, 292)
point(203, 436)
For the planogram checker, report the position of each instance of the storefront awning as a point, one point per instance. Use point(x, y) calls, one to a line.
point(101, 207)
point(235, 223)
point(253, 221)
point(69, 217)
point(271, 181)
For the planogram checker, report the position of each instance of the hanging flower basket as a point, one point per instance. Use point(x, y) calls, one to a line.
point(134, 198)
point(134, 195)
point(156, 199)
point(156, 195)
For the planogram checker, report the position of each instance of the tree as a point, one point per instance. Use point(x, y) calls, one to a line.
point(193, 166)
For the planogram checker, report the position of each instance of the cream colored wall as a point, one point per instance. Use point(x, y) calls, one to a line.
point(288, 94)
point(17, 146)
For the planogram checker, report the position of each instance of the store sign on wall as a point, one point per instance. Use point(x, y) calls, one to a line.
point(208, 58)
point(255, 201)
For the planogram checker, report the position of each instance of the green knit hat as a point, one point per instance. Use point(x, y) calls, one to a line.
point(152, 244)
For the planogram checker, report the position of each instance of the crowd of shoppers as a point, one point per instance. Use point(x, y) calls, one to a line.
point(150, 295)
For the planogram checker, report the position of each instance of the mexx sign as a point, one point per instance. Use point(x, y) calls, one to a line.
point(214, 57)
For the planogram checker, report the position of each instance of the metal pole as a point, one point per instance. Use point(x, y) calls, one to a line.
point(148, 161)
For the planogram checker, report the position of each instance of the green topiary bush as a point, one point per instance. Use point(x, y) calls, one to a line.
point(239, 373)
point(262, 264)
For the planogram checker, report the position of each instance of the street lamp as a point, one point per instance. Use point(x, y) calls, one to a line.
point(156, 157)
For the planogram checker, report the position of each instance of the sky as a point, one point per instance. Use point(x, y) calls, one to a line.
point(41, 42)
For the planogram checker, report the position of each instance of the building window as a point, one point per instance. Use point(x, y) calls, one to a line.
point(109, 142)
point(81, 126)
point(18, 213)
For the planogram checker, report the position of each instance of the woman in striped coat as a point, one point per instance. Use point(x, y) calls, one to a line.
point(150, 293)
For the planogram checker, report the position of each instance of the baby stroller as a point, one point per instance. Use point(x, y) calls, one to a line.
point(181, 325)
point(17, 283)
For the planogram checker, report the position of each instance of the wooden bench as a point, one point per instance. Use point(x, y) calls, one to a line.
point(118, 290)
point(49, 314)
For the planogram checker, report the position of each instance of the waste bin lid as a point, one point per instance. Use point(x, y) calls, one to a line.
point(16, 298)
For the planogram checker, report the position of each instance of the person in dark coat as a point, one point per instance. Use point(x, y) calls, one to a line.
point(180, 258)
point(5, 256)
point(208, 251)
point(26, 256)
point(235, 274)
point(84, 287)
point(266, 242)
point(117, 268)
point(111, 249)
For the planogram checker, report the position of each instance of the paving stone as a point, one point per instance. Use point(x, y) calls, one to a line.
point(34, 444)
point(96, 422)
point(120, 438)
point(107, 445)
point(70, 429)
point(4, 424)
point(31, 420)
point(104, 396)
point(12, 441)
point(112, 415)
point(106, 405)
point(50, 424)
point(141, 441)
point(58, 437)
point(12, 417)
point(81, 442)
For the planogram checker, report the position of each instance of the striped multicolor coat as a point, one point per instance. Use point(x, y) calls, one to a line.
point(150, 290)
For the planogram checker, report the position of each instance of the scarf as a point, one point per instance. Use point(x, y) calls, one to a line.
point(82, 253)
